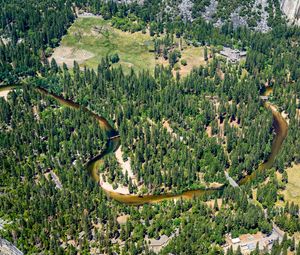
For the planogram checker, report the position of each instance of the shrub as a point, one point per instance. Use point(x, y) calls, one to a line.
point(114, 58)
point(176, 67)
point(183, 62)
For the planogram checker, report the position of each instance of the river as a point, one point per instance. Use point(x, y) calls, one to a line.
point(279, 123)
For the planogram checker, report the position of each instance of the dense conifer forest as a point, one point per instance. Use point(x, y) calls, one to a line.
point(180, 134)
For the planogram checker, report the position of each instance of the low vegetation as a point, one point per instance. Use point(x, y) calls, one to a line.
point(90, 39)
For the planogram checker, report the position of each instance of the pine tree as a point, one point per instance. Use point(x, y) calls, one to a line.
point(205, 54)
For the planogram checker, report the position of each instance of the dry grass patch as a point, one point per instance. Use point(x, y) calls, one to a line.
point(292, 191)
point(67, 55)
point(194, 57)
point(211, 203)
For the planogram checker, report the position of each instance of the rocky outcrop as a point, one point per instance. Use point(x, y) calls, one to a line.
point(185, 9)
point(291, 8)
point(262, 24)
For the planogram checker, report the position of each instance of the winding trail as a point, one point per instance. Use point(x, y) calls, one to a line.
point(113, 143)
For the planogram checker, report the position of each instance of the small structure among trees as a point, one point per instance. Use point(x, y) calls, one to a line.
point(264, 98)
point(233, 55)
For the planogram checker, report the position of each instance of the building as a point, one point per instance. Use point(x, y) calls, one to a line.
point(235, 240)
point(233, 55)
point(264, 98)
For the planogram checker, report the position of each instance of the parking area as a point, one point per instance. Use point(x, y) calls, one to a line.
point(248, 242)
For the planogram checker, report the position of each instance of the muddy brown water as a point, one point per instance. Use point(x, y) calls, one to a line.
point(279, 123)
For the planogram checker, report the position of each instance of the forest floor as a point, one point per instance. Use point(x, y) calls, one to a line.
point(292, 191)
point(90, 39)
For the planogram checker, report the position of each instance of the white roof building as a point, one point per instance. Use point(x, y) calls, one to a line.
point(236, 240)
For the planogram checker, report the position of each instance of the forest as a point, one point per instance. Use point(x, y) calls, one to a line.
point(181, 133)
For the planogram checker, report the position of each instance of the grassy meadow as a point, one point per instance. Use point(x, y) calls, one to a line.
point(89, 39)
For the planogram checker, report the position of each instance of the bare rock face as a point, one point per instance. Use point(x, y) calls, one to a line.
point(291, 8)
point(185, 9)
point(262, 25)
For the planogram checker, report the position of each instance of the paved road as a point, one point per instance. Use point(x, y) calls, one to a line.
point(231, 181)
point(56, 180)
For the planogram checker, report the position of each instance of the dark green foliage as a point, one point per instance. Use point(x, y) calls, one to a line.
point(115, 58)
point(38, 135)
point(29, 27)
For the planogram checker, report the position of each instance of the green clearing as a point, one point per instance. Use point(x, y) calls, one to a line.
point(100, 38)
point(90, 39)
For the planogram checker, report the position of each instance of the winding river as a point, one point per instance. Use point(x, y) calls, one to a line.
point(279, 123)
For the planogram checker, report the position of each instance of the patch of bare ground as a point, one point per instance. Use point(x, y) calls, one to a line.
point(234, 123)
point(123, 219)
point(220, 74)
point(151, 122)
point(36, 112)
point(72, 242)
point(125, 165)
point(211, 203)
point(209, 131)
point(161, 61)
point(4, 94)
point(214, 185)
point(68, 55)
point(97, 225)
point(170, 130)
point(109, 187)
point(221, 129)
point(297, 237)
point(298, 114)
point(193, 56)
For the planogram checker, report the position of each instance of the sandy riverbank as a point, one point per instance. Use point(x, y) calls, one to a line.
point(125, 165)
point(109, 187)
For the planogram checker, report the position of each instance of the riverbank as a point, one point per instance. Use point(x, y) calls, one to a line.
point(122, 190)
point(125, 165)
point(122, 194)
